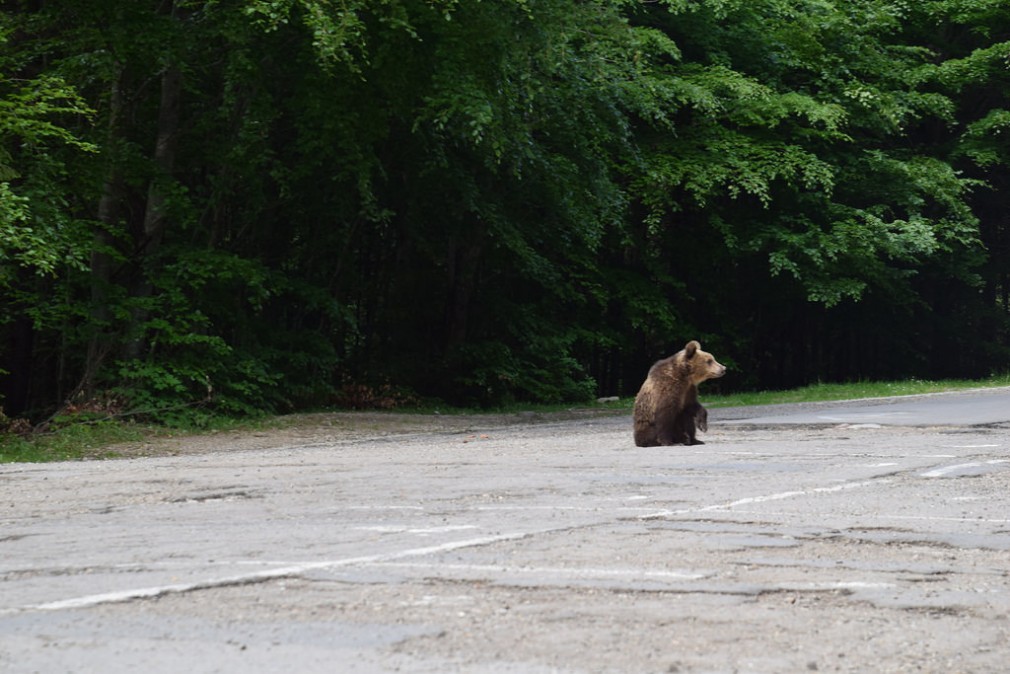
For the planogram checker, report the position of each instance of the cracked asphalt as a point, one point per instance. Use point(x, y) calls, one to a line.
point(787, 543)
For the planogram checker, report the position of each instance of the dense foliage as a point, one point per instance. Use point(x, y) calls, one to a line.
point(226, 206)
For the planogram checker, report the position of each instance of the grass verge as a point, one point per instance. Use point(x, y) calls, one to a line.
point(73, 439)
point(852, 391)
point(70, 441)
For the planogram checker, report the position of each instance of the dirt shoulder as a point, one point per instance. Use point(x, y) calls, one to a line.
point(324, 428)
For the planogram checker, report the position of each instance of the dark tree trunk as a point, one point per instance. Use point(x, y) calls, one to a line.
point(101, 263)
point(154, 214)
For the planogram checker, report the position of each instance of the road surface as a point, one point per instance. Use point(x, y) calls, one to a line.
point(827, 542)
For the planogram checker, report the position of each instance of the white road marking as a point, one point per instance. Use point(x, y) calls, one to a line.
point(945, 470)
point(805, 515)
point(940, 472)
point(555, 508)
point(840, 585)
point(388, 529)
point(268, 574)
point(384, 507)
point(573, 572)
point(764, 499)
point(971, 446)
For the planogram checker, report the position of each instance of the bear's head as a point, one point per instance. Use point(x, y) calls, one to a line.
point(702, 365)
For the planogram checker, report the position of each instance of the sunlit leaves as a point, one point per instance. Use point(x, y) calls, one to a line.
point(987, 140)
point(340, 29)
point(36, 235)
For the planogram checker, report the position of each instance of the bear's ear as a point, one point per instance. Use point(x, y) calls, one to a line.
point(691, 348)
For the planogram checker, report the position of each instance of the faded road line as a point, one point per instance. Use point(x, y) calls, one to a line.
point(269, 574)
point(764, 499)
point(945, 470)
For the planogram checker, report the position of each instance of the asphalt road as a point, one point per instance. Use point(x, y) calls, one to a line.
point(811, 538)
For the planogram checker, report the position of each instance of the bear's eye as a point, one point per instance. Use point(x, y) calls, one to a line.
point(711, 360)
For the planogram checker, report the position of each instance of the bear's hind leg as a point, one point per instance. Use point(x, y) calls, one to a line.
point(669, 428)
point(645, 437)
point(692, 417)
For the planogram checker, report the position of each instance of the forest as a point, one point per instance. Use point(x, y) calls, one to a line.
point(235, 207)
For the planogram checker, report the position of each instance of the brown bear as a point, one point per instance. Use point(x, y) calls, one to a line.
point(667, 411)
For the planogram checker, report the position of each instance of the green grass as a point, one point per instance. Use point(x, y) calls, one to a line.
point(84, 437)
point(68, 442)
point(73, 440)
point(852, 391)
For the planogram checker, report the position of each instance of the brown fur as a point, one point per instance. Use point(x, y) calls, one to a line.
point(667, 411)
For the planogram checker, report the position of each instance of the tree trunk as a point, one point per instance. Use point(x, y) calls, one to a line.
point(154, 213)
point(101, 263)
point(164, 159)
